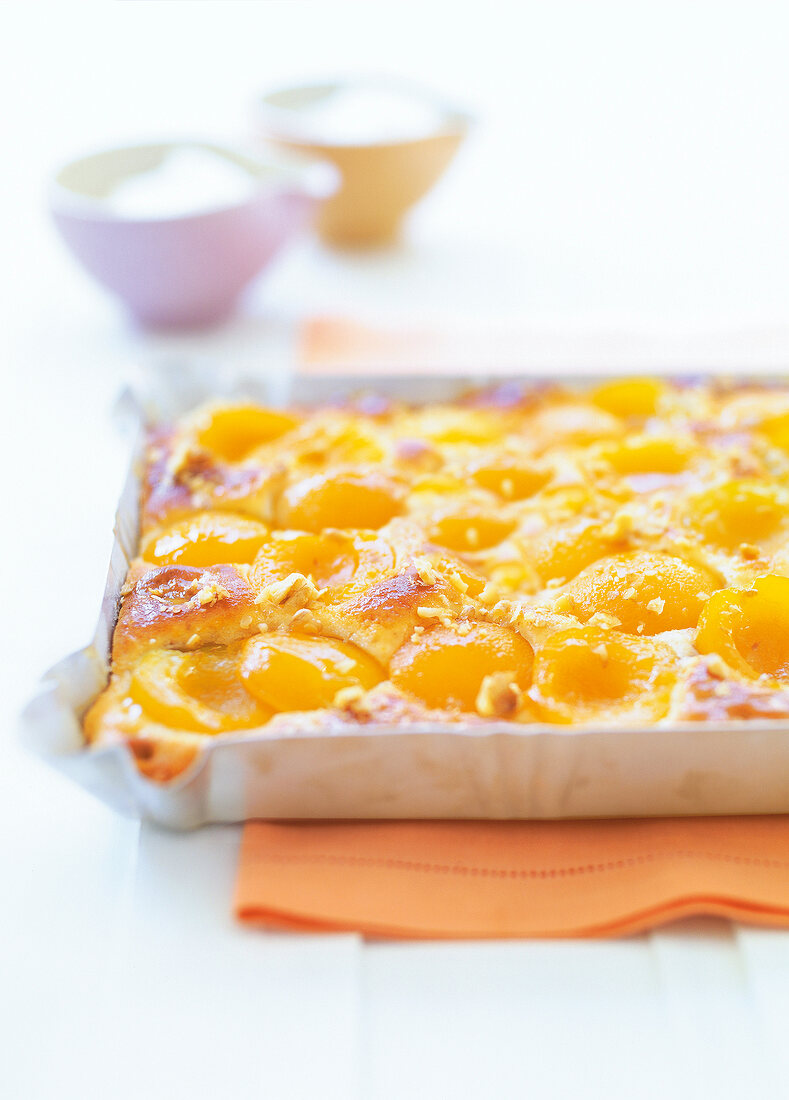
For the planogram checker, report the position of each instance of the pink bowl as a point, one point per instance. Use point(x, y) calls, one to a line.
point(189, 270)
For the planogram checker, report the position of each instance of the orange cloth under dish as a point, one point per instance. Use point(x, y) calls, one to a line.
point(504, 879)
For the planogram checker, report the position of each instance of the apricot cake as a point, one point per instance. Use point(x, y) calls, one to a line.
point(522, 555)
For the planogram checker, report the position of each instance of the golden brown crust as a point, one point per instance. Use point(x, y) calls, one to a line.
point(384, 617)
point(162, 759)
point(524, 554)
point(183, 607)
point(384, 705)
point(708, 696)
point(181, 478)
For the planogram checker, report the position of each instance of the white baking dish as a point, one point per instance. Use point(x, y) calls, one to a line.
point(423, 771)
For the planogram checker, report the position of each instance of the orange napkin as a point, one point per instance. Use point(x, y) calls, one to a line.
point(506, 879)
point(336, 345)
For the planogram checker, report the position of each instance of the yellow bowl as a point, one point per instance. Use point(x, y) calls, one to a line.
point(382, 175)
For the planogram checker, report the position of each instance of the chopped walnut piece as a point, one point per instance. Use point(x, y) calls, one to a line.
point(629, 594)
point(348, 695)
point(499, 696)
point(211, 593)
point(491, 594)
point(620, 528)
point(749, 551)
point(294, 592)
point(439, 613)
point(425, 571)
point(353, 701)
point(716, 666)
point(656, 605)
point(604, 620)
point(305, 621)
point(457, 582)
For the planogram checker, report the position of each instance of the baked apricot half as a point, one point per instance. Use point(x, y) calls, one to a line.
point(332, 559)
point(587, 674)
point(339, 443)
point(648, 455)
point(232, 431)
point(776, 428)
point(302, 672)
point(742, 510)
point(199, 691)
point(646, 590)
point(510, 480)
point(749, 628)
point(561, 551)
point(629, 397)
point(208, 538)
point(445, 665)
point(469, 532)
point(347, 499)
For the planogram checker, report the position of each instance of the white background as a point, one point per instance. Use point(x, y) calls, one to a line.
point(630, 171)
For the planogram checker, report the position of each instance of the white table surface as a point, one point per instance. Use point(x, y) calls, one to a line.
point(631, 176)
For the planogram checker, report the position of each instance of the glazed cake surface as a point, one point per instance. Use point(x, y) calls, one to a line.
point(527, 555)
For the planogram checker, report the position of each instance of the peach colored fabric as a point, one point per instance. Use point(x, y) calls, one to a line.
point(334, 344)
point(498, 880)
